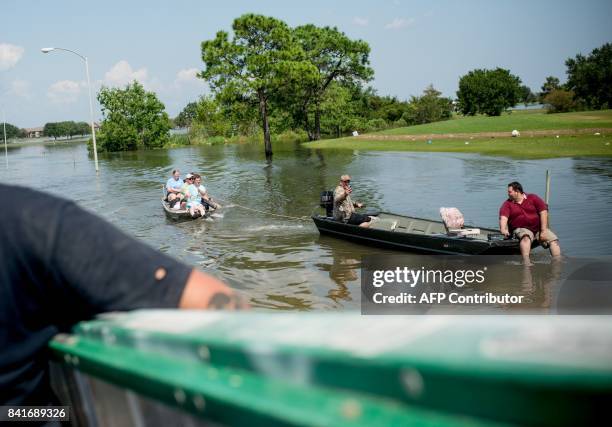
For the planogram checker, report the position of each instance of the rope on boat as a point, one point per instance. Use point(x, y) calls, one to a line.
point(294, 218)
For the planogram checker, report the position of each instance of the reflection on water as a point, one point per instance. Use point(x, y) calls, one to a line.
point(282, 263)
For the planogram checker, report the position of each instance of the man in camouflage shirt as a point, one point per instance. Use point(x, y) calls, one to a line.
point(344, 207)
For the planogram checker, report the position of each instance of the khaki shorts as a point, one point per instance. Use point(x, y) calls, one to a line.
point(547, 238)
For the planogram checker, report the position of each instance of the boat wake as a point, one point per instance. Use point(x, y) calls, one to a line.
point(274, 227)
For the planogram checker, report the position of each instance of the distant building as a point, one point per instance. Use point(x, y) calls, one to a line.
point(34, 132)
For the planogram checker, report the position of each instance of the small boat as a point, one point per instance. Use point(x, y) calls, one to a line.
point(181, 214)
point(420, 235)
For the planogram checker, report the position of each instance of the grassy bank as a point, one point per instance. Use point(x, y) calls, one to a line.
point(535, 148)
point(521, 120)
point(523, 147)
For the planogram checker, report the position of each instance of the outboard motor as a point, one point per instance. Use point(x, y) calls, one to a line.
point(327, 202)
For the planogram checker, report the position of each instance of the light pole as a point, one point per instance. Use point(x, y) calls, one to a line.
point(93, 130)
point(4, 126)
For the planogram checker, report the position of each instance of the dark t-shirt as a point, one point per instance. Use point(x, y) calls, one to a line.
point(524, 215)
point(60, 265)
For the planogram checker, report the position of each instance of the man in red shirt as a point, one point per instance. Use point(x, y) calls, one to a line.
point(525, 216)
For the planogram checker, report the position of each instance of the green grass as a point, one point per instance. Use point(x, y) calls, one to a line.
point(521, 120)
point(523, 147)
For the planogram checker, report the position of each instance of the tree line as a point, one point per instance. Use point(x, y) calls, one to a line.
point(588, 85)
point(53, 129)
point(268, 78)
point(66, 129)
point(12, 131)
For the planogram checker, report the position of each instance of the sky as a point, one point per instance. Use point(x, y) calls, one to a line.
point(413, 44)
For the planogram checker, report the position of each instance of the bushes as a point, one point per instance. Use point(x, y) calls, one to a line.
point(428, 108)
point(560, 101)
point(291, 136)
point(377, 124)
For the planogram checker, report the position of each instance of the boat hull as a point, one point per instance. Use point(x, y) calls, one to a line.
point(417, 235)
point(179, 215)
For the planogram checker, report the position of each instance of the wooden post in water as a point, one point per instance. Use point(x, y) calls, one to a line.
point(546, 196)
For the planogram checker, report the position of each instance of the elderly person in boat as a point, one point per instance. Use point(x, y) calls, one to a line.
point(173, 187)
point(525, 216)
point(344, 207)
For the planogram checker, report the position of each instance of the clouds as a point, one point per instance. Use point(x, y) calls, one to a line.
point(188, 76)
point(395, 24)
point(119, 75)
point(399, 23)
point(9, 55)
point(65, 91)
point(122, 74)
point(173, 91)
point(20, 88)
point(361, 22)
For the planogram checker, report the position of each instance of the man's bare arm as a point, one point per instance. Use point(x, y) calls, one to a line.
point(543, 220)
point(205, 292)
point(503, 225)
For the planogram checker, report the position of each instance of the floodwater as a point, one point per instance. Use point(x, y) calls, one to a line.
point(283, 263)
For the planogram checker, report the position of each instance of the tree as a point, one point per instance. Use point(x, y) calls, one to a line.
point(209, 118)
point(83, 128)
point(336, 110)
point(590, 77)
point(551, 83)
point(132, 118)
point(428, 108)
point(66, 128)
point(488, 92)
point(559, 101)
point(526, 95)
point(336, 58)
point(260, 59)
point(186, 116)
point(51, 129)
point(12, 131)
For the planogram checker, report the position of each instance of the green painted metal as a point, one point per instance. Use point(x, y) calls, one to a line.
point(395, 370)
point(237, 397)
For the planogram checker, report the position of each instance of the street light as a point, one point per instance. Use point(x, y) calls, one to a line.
point(93, 130)
point(4, 126)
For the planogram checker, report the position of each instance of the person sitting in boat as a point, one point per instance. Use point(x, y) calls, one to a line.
point(344, 207)
point(173, 187)
point(206, 201)
point(193, 198)
point(525, 216)
point(184, 187)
